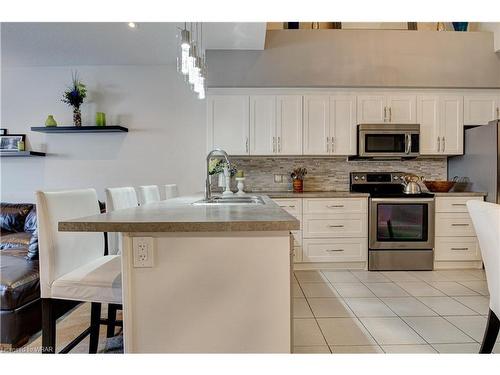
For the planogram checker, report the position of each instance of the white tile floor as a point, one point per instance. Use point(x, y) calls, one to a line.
point(392, 312)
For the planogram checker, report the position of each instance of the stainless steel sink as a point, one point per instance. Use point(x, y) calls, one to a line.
point(230, 201)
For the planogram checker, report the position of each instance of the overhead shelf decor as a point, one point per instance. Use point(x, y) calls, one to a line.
point(21, 154)
point(80, 129)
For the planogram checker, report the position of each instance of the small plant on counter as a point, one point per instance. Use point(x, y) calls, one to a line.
point(297, 176)
point(74, 96)
point(216, 166)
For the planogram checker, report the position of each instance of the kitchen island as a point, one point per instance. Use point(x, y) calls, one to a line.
point(217, 278)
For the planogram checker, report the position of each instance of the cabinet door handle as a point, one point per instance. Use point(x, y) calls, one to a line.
point(334, 250)
point(335, 206)
point(458, 204)
point(279, 144)
point(327, 144)
point(331, 141)
point(444, 144)
point(390, 114)
point(246, 145)
point(274, 145)
point(459, 225)
point(385, 114)
point(336, 226)
point(459, 248)
point(439, 144)
point(498, 113)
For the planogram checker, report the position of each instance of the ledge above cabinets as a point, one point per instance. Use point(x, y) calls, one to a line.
point(267, 122)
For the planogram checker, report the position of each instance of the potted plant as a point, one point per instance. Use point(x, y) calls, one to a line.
point(297, 176)
point(74, 96)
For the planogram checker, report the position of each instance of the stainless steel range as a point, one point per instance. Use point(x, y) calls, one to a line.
point(401, 226)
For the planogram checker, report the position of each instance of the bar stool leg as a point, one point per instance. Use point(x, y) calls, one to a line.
point(490, 334)
point(110, 332)
point(95, 321)
point(48, 327)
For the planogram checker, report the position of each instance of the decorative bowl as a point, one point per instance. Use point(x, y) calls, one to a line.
point(439, 186)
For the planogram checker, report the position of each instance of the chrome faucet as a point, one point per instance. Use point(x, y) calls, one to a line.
point(218, 152)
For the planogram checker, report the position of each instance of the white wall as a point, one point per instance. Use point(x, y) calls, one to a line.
point(165, 144)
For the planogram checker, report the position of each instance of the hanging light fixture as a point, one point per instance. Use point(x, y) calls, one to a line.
point(185, 46)
point(191, 62)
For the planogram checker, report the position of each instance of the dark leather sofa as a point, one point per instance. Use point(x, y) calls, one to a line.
point(20, 307)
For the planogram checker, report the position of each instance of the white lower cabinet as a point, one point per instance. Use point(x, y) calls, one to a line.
point(332, 230)
point(456, 245)
point(335, 250)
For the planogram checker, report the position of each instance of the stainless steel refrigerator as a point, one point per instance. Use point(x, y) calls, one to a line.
point(481, 160)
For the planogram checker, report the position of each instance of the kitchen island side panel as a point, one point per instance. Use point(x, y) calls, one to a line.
point(209, 293)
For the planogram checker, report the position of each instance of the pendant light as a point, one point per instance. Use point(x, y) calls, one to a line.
point(191, 63)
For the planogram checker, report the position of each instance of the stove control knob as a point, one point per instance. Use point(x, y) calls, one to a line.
point(356, 178)
point(396, 177)
point(363, 178)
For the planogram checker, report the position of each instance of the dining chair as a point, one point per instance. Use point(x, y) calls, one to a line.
point(148, 194)
point(486, 220)
point(170, 191)
point(72, 265)
point(117, 199)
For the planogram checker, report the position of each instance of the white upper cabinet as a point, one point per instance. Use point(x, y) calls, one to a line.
point(263, 125)
point(343, 127)
point(330, 125)
point(428, 118)
point(289, 124)
point(371, 109)
point(316, 125)
point(441, 124)
point(452, 124)
point(480, 109)
point(401, 109)
point(228, 123)
point(390, 108)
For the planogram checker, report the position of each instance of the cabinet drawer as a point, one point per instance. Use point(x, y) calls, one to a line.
point(453, 204)
point(292, 206)
point(335, 250)
point(297, 254)
point(297, 237)
point(456, 249)
point(335, 206)
point(346, 225)
point(454, 224)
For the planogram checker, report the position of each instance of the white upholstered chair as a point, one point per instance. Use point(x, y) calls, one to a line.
point(72, 265)
point(170, 191)
point(117, 199)
point(486, 219)
point(148, 194)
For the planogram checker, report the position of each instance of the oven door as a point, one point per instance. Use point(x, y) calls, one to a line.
point(388, 143)
point(401, 223)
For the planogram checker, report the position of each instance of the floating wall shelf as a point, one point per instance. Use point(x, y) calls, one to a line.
point(81, 129)
point(21, 154)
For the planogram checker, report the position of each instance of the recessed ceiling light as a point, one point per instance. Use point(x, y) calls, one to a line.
point(132, 25)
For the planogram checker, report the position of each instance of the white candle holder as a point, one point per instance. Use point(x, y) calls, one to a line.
point(240, 185)
point(227, 177)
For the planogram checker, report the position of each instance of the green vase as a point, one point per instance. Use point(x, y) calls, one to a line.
point(50, 121)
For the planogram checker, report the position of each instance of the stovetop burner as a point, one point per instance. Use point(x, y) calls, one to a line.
point(382, 185)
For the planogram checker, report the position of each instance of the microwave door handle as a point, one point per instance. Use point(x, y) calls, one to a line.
point(408, 143)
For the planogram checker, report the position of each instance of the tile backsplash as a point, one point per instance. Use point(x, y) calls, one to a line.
point(328, 173)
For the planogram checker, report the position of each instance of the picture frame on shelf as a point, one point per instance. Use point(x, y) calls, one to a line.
point(8, 142)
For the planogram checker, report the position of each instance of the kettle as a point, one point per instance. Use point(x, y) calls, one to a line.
point(411, 185)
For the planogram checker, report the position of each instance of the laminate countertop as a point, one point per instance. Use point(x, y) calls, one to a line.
point(312, 194)
point(461, 194)
point(180, 215)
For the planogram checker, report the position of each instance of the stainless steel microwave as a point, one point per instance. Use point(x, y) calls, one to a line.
point(388, 140)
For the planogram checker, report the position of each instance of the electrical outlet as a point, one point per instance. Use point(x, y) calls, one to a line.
point(143, 249)
point(278, 178)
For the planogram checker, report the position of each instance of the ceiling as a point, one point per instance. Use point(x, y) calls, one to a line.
point(60, 44)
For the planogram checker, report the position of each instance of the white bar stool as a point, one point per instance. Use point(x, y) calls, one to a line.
point(72, 265)
point(148, 194)
point(171, 191)
point(486, 219)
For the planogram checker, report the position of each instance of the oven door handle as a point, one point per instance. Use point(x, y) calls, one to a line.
point(408, 200)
